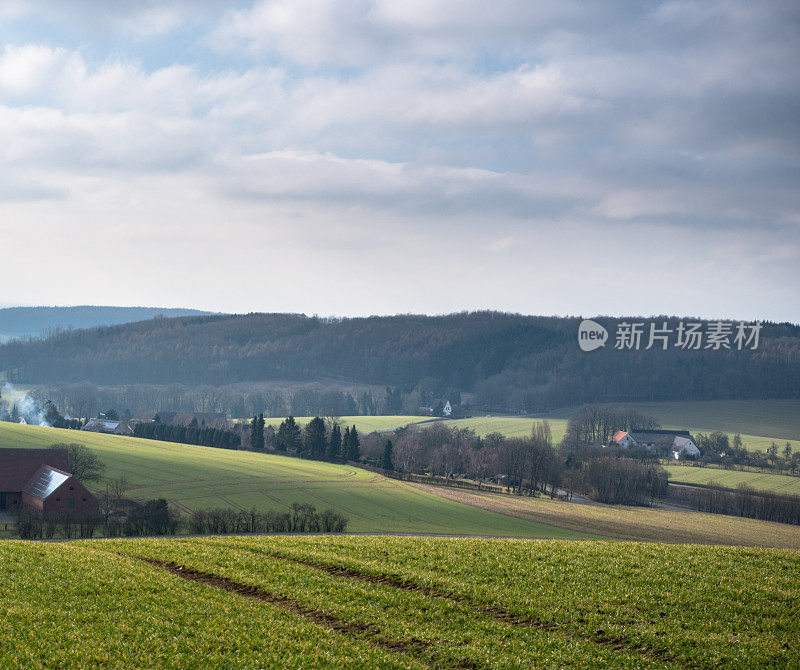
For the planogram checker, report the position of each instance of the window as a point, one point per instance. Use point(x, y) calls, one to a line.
point(71, 502)
point(58, 499)
point(83, 499)
point(71, 488)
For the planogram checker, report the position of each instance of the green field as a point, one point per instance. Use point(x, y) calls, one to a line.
point(333, 602)
point(192, 477)
point(510, 426)
point(732, 478)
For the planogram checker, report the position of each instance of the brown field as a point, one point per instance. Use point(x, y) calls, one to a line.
point(632, 523)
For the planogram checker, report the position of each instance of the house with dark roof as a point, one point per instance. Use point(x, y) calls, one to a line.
point(107, 426)
point(40, 479)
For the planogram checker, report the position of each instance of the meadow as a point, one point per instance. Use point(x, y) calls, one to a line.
point(397, 603)
point(685, 474)
point(652, 524)
point(192, 477)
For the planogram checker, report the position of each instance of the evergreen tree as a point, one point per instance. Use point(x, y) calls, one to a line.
point(335, 443)
point(354, 448)
point(346, 443)
point(386, 459)
point(257, 433)
point(288, 437)
point(253, 433)
point(314, 442)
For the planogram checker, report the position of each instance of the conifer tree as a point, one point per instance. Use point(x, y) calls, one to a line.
point(387, 463)
point(335, 442)
point(354, 448)
point(314, 442)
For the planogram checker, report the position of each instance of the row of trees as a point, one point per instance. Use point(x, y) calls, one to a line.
point(743, 501)
point(318, 439)
point(527, 466)
point(192, 434)
point(717, 447)
point(85, 399)
point(155, 517)
point(303, 518)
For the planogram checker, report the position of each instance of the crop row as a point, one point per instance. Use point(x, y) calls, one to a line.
point(439, 631)
point(70, 606)
point(713, 606)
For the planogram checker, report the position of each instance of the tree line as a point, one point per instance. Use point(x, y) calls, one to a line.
point(206, 436)
point(528, 466)
point(506, 361)
point(303, 518)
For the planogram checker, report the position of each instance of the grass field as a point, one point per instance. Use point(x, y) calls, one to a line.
point(338, 602)
point(632, 523)
point(731, 479)
point(192, 477)
point(510, 426)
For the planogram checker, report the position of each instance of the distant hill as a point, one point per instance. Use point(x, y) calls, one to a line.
point(508, 362)
point(35, 321)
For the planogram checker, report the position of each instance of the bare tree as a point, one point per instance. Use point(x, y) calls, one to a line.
point(84, 464)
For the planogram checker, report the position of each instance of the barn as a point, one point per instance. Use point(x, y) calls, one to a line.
point(40, 479)
point(51, 490)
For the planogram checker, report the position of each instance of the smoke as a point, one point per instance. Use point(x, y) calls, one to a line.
point(16, 405)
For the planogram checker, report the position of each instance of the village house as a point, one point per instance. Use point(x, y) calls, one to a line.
point(677, 444)
point(106, 426)
point(39, 479)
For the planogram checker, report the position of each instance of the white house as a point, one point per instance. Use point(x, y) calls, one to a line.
point(447, 410)
point(684, 447)
point(678, 443)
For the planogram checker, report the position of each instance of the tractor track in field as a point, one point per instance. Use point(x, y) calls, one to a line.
point(600, 637)
point(418, 649)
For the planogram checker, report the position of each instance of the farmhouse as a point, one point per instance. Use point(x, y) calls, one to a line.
point(52, 490)
point(677, 443)
point(623, 439)
point(40, 479)
point(106, 426)
point(447, 410)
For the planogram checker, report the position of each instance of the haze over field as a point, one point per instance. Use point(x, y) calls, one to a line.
point(416, 156)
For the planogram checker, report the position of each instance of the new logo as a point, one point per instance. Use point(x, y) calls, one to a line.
point(591, 335)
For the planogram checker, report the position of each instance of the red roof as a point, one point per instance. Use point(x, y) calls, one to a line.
point(618, 436)
point(17, 466)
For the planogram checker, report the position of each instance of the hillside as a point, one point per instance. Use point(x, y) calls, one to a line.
point(377, 602)
point(509, 362)
point(34, 321)
point(192, 478)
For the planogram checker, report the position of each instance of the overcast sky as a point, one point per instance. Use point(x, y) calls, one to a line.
point(376, 156)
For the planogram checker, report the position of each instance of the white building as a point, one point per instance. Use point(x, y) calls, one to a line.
point(447, 410)
point(675, 443)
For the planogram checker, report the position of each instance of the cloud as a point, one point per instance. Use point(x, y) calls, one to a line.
point(407, 136)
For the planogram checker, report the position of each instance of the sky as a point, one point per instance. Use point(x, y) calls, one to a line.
point(375, 157)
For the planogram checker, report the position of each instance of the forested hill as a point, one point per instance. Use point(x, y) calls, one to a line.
point(34, 321)
point(512, 362)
